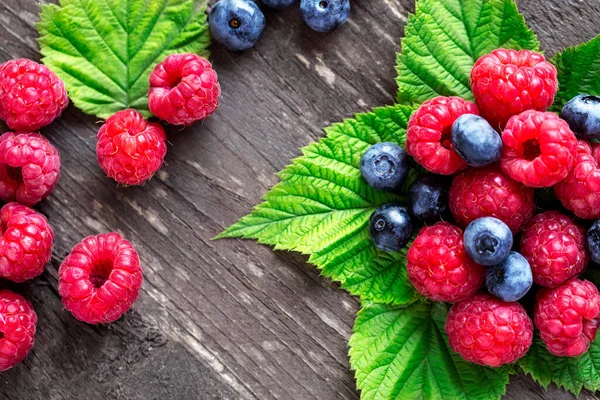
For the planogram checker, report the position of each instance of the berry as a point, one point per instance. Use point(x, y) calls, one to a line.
point(17, 329)
point(31, 96)
point(184, 89)
point(236, 24)
point(29, 167)
point(582, 113)
point(488, 331)
point(476, 141)
point(593, 242)
point(324, 15)
point(438, 266)
point(390, 227)
point(508, 82)
point(130, 149)
point(554, 246)
point(100, 279)
point(487, 192)
point(428, 198)
point(510, 280)
point(25, 244)
point(384, 166)
point(539, 149)
point(566, 317)
point(580, 190)
point(488, 241)
point(277, 4)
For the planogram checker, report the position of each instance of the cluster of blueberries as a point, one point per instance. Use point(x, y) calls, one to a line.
point(238, 24)
point(488, 241)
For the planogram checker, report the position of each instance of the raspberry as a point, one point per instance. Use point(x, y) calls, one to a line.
point(508, 82)
point(25, 244)
point(539, 149)
point(100, 279)
point(487, 192)
point(554, 246)
point(439, 267)
point(428, 137)
point(130, 149)
point(580, 190)
point(183, 89)
point(488, 331)
point(17, 328)
point(29, 167)
point(31, 96)
point(566, 317)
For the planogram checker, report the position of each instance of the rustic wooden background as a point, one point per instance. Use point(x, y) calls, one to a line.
point(227, 319)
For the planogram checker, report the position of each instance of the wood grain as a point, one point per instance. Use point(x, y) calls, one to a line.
point(227, 319)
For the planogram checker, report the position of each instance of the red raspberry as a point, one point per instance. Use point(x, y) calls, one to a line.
point(429, 134)
point(554, 246)
point(100, 279)
point(17, 328)
point(439, 267)
point(539, 149)
point(25, 244)
point(580, 190)
point(29, 167)
point(130, 149)
point(31, 96)
point(508, 82)
point(567, 317)
point(183, 89)
point(487, 192)
point(488, 331)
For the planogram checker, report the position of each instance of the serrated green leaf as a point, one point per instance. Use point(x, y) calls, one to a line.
point(444, 38)
point(570, 373)
point(104, 50)
point(578, 72)
point(402, 352)
point(322, 208)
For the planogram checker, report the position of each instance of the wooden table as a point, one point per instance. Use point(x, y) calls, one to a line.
point(227, 319)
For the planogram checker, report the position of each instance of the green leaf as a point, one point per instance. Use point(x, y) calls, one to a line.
point(444, 38)
point(322, 208)
point(578, 72)
point(570, 373)
point(104, 50)
point(402, 352)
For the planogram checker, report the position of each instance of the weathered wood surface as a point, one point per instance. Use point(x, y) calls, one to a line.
point(227, 319)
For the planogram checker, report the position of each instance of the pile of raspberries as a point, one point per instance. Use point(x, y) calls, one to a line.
point(101, 277)
point(513, 90)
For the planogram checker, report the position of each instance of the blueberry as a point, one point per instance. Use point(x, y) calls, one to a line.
point(593, 241)
point(428, 198)
point(510, 280)
point(278, 4)
point(324, 15)
point(390, 227)
point(236, 24)
point(488, 241)
point(384, 166)
point(582, 113)
point(474, 139)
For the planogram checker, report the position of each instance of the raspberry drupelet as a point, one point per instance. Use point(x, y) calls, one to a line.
point(17, 329)
point(100, 279)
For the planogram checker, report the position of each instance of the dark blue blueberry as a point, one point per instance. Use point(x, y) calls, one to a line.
point(474, 139)
point(488, 241)
point(384, 166)
point(390, 227)
point(428, 198)
point(324, 15)
point(593, 241)
point(582, 113)
point(511, 280)
point(278, 4)
point(236, 24)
